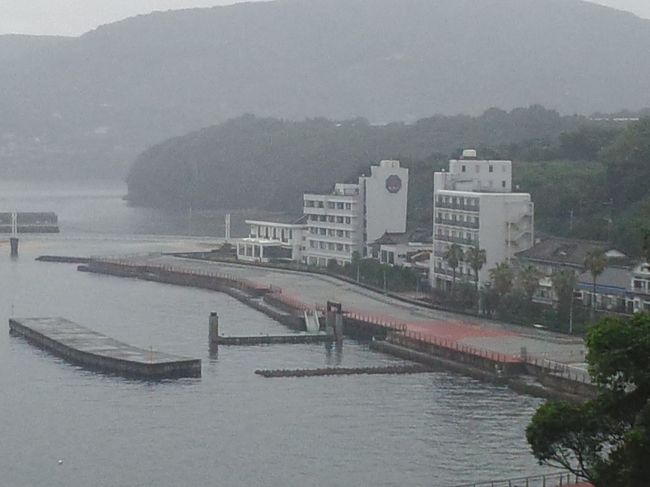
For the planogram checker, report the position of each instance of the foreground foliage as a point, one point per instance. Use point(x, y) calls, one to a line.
point(605, 440)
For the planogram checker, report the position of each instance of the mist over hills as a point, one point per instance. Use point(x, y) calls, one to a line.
point(89, 105)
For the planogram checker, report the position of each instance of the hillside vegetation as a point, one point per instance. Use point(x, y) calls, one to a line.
point(89, 105)
point(587, 180)
point(252, 162)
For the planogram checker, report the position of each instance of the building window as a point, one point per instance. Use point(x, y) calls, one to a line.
point(331, 205)
point(348, 219)
point(463, 168)
point(339, 206)
point(503, 184)
point(491, 168)
point(348, 206)
point(478, 168)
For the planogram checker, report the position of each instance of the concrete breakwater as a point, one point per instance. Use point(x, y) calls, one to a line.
point(260, 297)
point(524, 373)
point(295, 338)
point(390, 369)
point(63, 259)
point(80, 345)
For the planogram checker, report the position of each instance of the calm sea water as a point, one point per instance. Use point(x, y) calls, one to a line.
point(229, 427)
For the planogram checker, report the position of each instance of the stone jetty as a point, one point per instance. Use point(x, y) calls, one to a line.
point(390, 369)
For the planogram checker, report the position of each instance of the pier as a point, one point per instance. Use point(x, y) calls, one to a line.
point(479, 350)
point(83, 346)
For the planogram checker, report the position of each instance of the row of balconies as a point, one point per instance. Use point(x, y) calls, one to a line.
point(458, 240)
point(457, 206)
point(331, 211)
point(457, 223)
point(333, 239)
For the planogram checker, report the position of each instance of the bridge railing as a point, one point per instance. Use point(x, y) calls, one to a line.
point(562, 479)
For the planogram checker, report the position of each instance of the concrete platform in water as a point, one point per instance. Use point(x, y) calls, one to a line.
point(86, 347)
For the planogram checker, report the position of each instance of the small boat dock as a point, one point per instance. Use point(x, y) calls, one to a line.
point(83, 346)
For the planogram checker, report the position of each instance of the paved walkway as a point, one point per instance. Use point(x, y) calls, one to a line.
point(316, 290)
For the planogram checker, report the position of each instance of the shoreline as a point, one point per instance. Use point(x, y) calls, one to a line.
point(523, 375)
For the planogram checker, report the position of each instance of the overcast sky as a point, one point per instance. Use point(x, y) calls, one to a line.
point(74, 17)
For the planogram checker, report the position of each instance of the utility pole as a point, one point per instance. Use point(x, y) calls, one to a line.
point(13, 240)
point(227, 233)
point(571, 314)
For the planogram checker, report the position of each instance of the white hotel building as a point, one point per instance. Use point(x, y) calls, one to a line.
point(353, 215)
point(474, 206)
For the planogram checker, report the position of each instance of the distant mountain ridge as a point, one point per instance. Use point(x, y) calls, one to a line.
point(90, 104)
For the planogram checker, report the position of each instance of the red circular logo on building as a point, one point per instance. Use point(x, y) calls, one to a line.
point(393, 183)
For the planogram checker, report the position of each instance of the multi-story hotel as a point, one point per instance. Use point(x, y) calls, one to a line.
point(474, 206)
point(347, 219)
point(336, 224)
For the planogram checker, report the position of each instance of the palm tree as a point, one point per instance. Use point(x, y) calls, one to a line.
point(453, 256)
point(528, 279)
point(595, 263)
point(476, 258)
point(502, 277)
point(564, 282)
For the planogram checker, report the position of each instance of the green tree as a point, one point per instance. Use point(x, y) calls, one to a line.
point(645, 247)
point(454, 256)
point(502, 277)
point(595, 263)
point(528, 279)
point(605, 440)
point(476, 258)
point(627, 159)
point(564, 283)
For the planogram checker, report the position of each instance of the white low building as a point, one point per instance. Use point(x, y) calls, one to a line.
point(402, 249)
point(279, 240)
point(474, 206)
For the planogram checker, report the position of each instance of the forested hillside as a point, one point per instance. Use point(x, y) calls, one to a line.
point(254, 162)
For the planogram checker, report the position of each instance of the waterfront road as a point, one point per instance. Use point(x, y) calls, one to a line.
point(314, 290)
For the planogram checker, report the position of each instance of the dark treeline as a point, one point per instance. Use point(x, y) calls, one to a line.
point(251, 162)
point(588, 178)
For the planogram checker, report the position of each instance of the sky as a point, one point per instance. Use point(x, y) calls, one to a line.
point(74, 17)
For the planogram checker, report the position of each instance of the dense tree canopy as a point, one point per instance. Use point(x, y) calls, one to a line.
point(606, 440)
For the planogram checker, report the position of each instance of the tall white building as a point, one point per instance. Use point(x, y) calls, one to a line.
point(474, 206)
point(353, 215)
